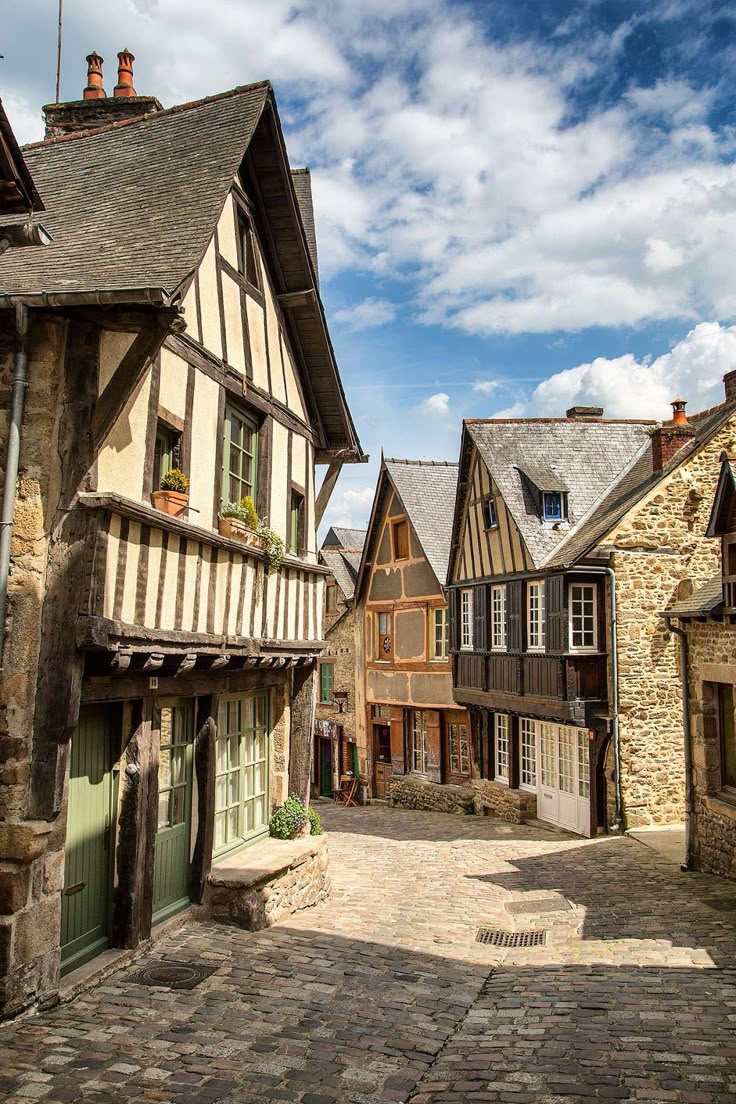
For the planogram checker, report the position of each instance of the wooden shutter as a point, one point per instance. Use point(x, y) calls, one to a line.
point(434, 751)
point(480, 607)
point(453, 614)
point(514, 615)
point(555, 614)
point(398, 764)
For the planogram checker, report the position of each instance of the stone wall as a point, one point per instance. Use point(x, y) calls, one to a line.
point(340, 650)
point(267, 882)
point(495, 799)
point(660, 547)
point(414, 793)
point(711, 659)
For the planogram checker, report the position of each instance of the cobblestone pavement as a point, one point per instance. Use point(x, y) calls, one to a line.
point(382, 994)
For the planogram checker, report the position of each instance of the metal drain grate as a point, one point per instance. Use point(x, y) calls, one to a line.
point(537, 904)
point(495, 937)
point(173, 975)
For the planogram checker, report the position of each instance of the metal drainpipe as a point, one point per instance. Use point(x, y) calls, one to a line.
point(614, 678)
point(20, 372)
point(687, 733)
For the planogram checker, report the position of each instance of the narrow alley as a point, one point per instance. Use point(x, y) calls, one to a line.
point(382, 993)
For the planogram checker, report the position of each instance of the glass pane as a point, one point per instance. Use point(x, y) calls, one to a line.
point(250, 715)
point(166, 725)
point(178, 805)
point(232, 824)
point(233, 788)
point(233, 752)
point(163, 810)
point(178, 765)
point(220, 830)
point(221, 792)
point(164, 768)
point(566, 768)
point(583, 765)
point(222, 746)
point(261, 710)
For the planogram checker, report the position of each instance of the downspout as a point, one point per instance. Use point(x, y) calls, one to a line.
point(687, 733)
point(20, 373)
point(613, 625)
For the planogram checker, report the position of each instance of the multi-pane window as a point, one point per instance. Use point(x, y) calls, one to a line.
point(501, 732)
point(528, 753)
point(247, 259)
point(439, 629)
point(173, 774)
point(400, 539)
point(535, 616)
point(548, 753)
point(330, 598)
point(326, 672)
point(241, 769)
point(498, 618)
point(381, 712)
point(553, 506)
point(583, 764)
point(490, 517)
point(385, 636)
point(239, 454)
point(459, 751)
point(418, 740)
point(566, 760)
point(727, 733)
point(583, 620)
point(466, 620)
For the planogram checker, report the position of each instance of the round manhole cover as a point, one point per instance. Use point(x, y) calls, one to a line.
point(173, 975)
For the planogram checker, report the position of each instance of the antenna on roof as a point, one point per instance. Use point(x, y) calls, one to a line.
point(58, 53)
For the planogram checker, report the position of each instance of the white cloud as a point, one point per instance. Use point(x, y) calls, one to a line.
point(516, 410)
point(436, 407)
point(487, 387)
point(350, 509)
point(368, 313)
point(627, 387)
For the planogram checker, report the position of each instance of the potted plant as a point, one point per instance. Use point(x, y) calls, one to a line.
point(239, 521)
point(273, 546)
point(173, 495)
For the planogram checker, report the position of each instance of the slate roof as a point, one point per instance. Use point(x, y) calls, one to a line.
point(427, 488)
point(341, 570)
point(133, 205)
point(706, 599)
point(302, 179)
point(18, 192)
point(587, 457)
point(633, 483)
point(352, 539)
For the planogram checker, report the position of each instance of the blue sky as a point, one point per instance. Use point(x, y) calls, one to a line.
point(520, 204)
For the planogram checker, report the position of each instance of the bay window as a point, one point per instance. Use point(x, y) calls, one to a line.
point(535, 616)
point(466, 620)
point(583, 617)
point(498, 618)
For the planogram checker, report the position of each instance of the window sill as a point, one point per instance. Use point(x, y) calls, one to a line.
point(722, 802)
point(501, 781)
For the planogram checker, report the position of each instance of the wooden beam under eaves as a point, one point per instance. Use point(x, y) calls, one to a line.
point(325, 492)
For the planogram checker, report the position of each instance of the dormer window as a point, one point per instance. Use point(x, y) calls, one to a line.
point(553, 506)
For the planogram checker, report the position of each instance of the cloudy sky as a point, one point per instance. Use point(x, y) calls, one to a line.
point(521, 203)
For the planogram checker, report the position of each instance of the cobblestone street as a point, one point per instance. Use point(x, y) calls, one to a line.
point(383, 994)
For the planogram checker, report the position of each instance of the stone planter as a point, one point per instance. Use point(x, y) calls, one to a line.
point(235, 529)
point(173, 503)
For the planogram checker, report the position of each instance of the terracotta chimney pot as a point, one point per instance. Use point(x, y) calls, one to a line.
point(679, 417)
point(94, 89)
point(124, 87)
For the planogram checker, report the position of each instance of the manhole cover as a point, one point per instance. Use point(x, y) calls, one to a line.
point(174, 975)
point(495, 937)
point(537, 904)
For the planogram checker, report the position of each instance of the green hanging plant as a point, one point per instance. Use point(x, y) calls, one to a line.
point(274, 546)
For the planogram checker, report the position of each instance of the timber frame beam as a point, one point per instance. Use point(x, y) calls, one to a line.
point(325, 492)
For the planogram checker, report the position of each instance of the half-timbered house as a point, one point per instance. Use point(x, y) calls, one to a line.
point(570, 537)
point(336, 748)
point(158, 672)
point(416, 735)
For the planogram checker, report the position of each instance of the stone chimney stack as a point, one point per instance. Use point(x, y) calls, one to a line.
point(96, 108)
point(729, 382)
point(669, 438)
point(124, 87)
point(586, 412)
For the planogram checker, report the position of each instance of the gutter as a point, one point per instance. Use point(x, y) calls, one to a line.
point(98, 298)
point(613, 624)
point(687, 733)
point(12, 460)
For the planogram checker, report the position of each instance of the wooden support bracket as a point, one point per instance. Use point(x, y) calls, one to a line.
point(154, 661)
point(186, 664)
point(325, 492)
point(121, 660)
point(219, 662)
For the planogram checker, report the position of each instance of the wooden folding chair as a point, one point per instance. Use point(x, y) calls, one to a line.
point(348, 788)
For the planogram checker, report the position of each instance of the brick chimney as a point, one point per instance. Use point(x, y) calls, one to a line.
point(96, 108)
point(584, 412)
point(669, 438)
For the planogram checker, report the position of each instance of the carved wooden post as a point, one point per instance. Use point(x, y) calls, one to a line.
point(303, 687)
point(137, 823)
point(204, 770)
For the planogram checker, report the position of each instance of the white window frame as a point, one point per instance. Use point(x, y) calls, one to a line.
point(418, 735)
point(440, 629)
point(498, 618)
point(529, 741)
point(592, 588)
point(535, 612)
point(501, 747)
point(466, 620)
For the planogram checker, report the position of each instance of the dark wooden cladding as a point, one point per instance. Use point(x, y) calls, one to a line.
point(470, 671)
point(589, 675)
point(505, 673)
point(556, 615)
point(515, 615)
point(542, 677)
point(525, 675)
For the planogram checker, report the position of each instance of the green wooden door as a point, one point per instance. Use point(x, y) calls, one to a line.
point(173, 839)
point(88, 858)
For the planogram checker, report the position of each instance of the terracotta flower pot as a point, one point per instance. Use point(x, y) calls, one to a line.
point(173, 503)
point(235, 529)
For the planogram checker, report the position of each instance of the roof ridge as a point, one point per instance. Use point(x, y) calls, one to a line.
point(147, 115)
point(562, 421)
point(422, 463)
